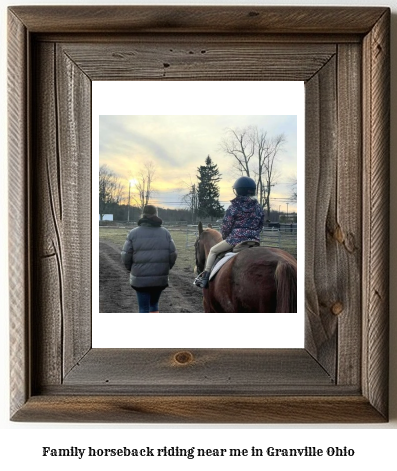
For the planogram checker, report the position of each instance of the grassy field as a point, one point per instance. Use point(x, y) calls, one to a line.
point(185, 259)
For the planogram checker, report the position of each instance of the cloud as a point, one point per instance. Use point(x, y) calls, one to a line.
point(178, 145)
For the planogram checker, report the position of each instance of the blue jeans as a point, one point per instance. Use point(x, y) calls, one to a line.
point(148, 301)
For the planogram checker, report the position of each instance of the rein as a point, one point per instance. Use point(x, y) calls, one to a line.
point(208, 241)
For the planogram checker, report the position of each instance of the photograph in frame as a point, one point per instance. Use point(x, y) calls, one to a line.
point(56, 375)
point(168, 150)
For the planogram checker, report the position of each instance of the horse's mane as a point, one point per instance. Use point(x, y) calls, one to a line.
point(213, 234)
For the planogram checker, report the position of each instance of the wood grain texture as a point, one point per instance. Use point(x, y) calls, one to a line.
point(376, 90)
point(199, 409)
point(227, 369)
point(62, 256)
point(341, 376)
point(346, 226)
point(198, 19)
point(140, 59)
point(74, 179)
point(19, 223)
point(321, 275)
point(47, 282)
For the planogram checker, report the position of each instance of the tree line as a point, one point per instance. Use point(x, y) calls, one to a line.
point(254, 154)
point(170, 215)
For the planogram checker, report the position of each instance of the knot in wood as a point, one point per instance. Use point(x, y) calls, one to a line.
point(337, 308)
point(183, 358)
point(338, 235)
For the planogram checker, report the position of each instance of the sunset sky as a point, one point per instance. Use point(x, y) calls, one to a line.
point(178, 144)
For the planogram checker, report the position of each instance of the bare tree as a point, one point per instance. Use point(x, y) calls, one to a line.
point(191, 200)
point(255, 156)
point(294, 193)
point(267, 150)
point(110, 189)
point(143, 183)
point(240, 144)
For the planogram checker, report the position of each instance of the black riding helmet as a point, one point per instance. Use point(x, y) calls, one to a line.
point(244, 186)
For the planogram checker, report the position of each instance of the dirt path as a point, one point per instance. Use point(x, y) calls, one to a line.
point(116, 294)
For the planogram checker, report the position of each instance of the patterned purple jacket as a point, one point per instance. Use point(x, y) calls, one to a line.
point(243, 220)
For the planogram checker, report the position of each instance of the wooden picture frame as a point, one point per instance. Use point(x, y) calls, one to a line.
point(342, 54)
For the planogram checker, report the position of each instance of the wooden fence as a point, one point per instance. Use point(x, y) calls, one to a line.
point(284, 237)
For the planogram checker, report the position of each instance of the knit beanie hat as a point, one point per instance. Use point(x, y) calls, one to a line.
point(149, 211)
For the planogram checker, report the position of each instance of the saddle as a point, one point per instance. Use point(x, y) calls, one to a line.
point(246, 244)
point(223, 257)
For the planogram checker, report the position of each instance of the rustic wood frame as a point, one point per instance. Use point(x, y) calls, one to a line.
point(342, 54)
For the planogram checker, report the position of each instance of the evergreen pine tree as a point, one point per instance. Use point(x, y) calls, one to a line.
point(208, 190)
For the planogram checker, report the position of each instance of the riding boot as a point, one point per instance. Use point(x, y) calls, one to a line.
point(205, 279)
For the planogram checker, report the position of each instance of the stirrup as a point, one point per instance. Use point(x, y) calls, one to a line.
point(198, 281)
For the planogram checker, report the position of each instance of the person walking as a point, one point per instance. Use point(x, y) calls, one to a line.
point(243, 221)
point(149, 253)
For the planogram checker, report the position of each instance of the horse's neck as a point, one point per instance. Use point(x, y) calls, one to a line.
point(210, 241)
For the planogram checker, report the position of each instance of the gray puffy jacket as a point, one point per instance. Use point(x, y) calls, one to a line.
point(149, 252)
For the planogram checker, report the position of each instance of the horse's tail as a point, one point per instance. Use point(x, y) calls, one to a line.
point(285, 276)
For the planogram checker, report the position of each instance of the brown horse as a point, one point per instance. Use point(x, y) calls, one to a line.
point(257, 279)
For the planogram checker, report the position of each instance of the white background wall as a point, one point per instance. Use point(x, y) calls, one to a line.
point(22, 443)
